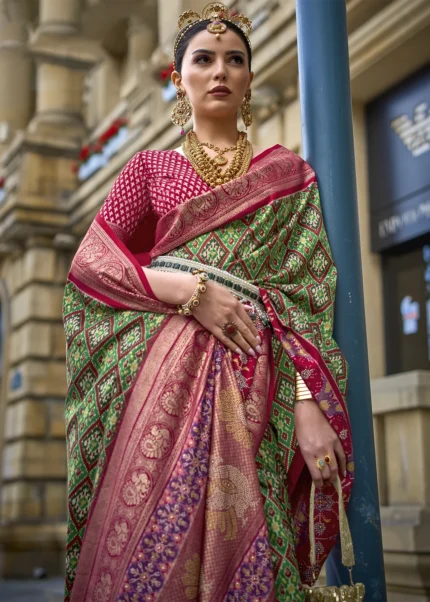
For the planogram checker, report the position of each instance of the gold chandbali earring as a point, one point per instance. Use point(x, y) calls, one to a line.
point(245, 109)
point(182, 111)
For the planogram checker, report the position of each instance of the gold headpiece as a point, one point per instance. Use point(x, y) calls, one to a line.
point(216, 12)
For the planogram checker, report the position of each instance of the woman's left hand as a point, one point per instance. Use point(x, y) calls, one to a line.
point(317, 439)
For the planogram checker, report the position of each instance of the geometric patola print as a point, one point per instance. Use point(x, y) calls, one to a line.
point(79, 502)
point(319, 297)
point(86, 379)
point(311, 219)
point(320, 263)
point(130, 337)
point(90, 445)
point(97, 335)
point(339, 367)
point(73, 550)
point(294, 263)
point(108, 388)
point(213, 252)
point(240, 270)
point(73, 325)
point(72, 434)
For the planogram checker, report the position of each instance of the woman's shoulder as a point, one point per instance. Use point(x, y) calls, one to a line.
point(154, 160)
point(276, 150)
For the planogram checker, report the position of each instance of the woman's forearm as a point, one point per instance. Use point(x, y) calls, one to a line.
point(171, 288)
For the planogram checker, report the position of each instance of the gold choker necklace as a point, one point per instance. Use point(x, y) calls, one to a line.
point(208, 168)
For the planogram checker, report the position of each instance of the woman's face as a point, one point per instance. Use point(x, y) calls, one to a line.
point(210, 62)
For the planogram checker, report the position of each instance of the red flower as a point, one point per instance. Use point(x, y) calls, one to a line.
point(166, 73)
point(85, 153)
point(97, 147)
point(111, 131)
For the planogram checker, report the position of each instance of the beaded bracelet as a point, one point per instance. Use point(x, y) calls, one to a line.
point(187, 308)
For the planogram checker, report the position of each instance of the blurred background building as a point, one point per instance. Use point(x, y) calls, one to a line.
point(84, 86)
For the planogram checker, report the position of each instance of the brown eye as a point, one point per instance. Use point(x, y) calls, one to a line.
point(202, 59)
point(236, 58)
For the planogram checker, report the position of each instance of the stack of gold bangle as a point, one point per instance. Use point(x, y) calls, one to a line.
point(302, 391)
point(187, 308)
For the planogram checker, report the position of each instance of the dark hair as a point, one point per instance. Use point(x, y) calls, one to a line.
point(201, 26)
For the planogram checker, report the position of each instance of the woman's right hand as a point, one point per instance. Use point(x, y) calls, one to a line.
point(217, 307)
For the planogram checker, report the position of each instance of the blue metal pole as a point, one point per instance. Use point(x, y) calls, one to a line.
point(326, 113)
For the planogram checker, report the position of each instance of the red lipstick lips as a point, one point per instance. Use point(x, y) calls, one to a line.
point(220, 91)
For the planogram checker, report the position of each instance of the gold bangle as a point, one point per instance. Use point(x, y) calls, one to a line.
point(187, 308)
point(302, 391)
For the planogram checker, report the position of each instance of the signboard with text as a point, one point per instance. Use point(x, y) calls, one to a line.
point(398, 127)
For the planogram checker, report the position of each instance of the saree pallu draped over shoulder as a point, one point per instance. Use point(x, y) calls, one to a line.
point(185, 479)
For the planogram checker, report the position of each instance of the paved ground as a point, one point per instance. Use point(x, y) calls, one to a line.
point(43, 590)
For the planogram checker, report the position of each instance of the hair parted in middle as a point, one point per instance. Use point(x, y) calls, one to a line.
point(201, 26)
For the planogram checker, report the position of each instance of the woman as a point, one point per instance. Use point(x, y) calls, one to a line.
point(205, 389)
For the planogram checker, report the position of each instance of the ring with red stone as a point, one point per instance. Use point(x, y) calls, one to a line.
point(230, 329)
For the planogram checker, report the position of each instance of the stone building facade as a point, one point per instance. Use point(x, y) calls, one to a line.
point(81, 70)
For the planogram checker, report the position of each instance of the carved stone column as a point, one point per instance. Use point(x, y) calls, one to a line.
point(168, 11)
point(63, 57)
point(58, 102)
point(59, 17)
point(141, 44)
point(16, 71)
point(39, 179)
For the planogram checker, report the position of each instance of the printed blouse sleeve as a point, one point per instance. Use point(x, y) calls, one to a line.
point(128, 201)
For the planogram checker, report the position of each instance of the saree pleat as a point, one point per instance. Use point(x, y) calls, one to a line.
point(185, 481)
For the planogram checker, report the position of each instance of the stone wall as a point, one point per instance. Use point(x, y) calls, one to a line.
point(71, 72)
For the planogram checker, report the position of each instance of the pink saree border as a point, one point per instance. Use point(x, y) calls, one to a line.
point(144, 280)
point(92, 566)
point(106, 270)
point(176, 329)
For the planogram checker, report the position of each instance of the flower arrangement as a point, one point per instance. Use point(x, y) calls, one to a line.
point(96, 147)
point(2, 190)
point(165, 75)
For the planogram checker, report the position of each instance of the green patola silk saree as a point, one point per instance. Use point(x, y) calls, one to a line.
point(185, 478)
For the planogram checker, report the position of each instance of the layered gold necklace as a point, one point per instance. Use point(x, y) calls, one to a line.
point(209, 168)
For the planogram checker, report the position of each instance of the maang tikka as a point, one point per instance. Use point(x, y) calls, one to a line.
point(182, 111)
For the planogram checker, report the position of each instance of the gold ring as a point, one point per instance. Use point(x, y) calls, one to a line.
point(320, 463)
point(230, 329)
point(327, 459)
